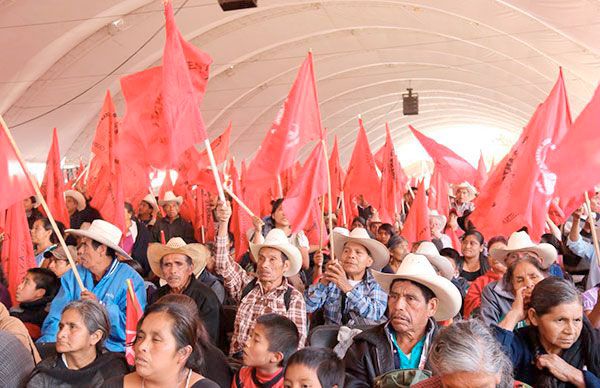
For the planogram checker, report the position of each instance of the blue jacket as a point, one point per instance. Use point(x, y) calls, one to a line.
point(111, 292)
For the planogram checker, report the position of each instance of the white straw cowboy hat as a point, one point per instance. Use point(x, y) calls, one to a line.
point(78, 197)
point(418, 269)
point(439, 262)
point(103, 232)
point(170, 197)
point(466, 185)
point(435, 214)
point(378, 252)
point(521, 242)
point(150, 200)
point(277, 239)
point(197, 252)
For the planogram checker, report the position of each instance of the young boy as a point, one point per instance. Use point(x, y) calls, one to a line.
point(314, 368)
point(274, 339)
point(38, 288)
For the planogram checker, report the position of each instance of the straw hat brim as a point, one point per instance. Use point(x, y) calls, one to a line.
point(545, 251)
point(293, 254)
point(99, 238)
point(379, 252)
point(78, 197)
point(178, 200)
point(440, 263)
point(197, 252)
point(449, 299)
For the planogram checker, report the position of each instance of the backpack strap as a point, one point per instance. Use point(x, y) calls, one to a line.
point(287, 296)
point(249, 287)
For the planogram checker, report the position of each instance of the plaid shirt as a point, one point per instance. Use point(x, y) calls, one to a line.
point(257, 302)
point(365, 303)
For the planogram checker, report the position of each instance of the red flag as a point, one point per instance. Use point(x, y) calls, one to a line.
point(416, 227)
point(163, 118)
point(391, 184)
point(454, 168)
point(379, 156)
point(240, 220)
point(482, 174)
point(108, 196)
point(438, 193)
point(311, 184)
point(520, 189)
point(361, 176)
point(14, 185)
point(297, 123)
point(133, 313)
point(219, 147)
point(17, 249)
point(335, 170)
point(53, 185)
point(581, 143)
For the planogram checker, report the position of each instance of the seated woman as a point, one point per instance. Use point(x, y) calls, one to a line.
point(473, 262)
point(166, 350)
point(560, 348)
point(81, 359)
point(505, 299)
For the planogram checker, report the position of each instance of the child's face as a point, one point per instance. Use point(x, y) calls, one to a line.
point(300, 376)
point(27, 291)
point(256, 349)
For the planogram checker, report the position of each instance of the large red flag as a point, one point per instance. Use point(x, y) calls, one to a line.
point(163, 118)
point(53, 185)
point(219, 147)
point(379, 156)
point(361, 176)
point(17, 249)
point(454, 168)
point(438, 193)
point(311, 184)
point(297, 123)
point(167, 185)
point(240, 220)
point(336, 171)
point(520, 189)
point(133, 313)
point(576, 160)
point(391, 181)
point(107, 195)
point(14, 185)
point(416, 226)
point(482, 174)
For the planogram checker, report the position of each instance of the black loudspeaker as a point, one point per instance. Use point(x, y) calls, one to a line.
point(230, 5)
point(410, 103)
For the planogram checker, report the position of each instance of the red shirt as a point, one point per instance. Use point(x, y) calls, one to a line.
point(473, 298)
point(245, 378)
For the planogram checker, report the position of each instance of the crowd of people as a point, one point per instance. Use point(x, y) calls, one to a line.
point(374, 311)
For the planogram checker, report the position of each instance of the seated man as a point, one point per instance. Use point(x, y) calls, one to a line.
point(347, 291)
point(172, 224)
point(104, 279)
point(176, 263)
point(147, 210)
point(418, 296)
point(269, 291)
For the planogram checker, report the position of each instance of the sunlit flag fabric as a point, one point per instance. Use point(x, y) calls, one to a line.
point(14, 185)
point(520, 190)
point(438, 193)
point(391, 181)
point(163, 118)
point(17, 249)
point(482, 174)
point(416, 227)
point(53, 184)
point(336, 171)
point(240, 220)
point(453, 167)
point(133, 313)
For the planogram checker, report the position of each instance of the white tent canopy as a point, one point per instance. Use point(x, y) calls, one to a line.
point(480, 67)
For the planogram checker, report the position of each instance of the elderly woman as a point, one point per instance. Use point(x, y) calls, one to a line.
point(166, 351)
point(506, 299)
point(81, 359)
point(466, 354)
point(560, 348)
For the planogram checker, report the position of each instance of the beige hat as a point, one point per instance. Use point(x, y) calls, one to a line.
point(379, 252)
point(521, 242)
point(468, 186)
point(170, 197)
point(439, 262)
point(103, 232)
point(150, 200)
point(434, 213)
point(78, 197)
point(197, 252)
point(418, 269)
point(277, 239)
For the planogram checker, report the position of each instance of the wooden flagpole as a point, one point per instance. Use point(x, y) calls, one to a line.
point(588, 207)
point(213, 164)
point(342, 199)
point(279, 186)
point(43, 202)
point(321, 222)
point(240, 202)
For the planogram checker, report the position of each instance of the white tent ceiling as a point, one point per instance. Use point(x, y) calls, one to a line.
point(480, 67)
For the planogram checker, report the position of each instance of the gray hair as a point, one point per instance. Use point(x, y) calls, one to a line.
point(469, 346)
point(94, 318)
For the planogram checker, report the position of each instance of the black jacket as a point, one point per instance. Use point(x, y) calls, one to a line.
point(139, 252)
point(177, 228)
point(52, 372)
point(209, 307)
point(32, 312)
point(371, 355)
